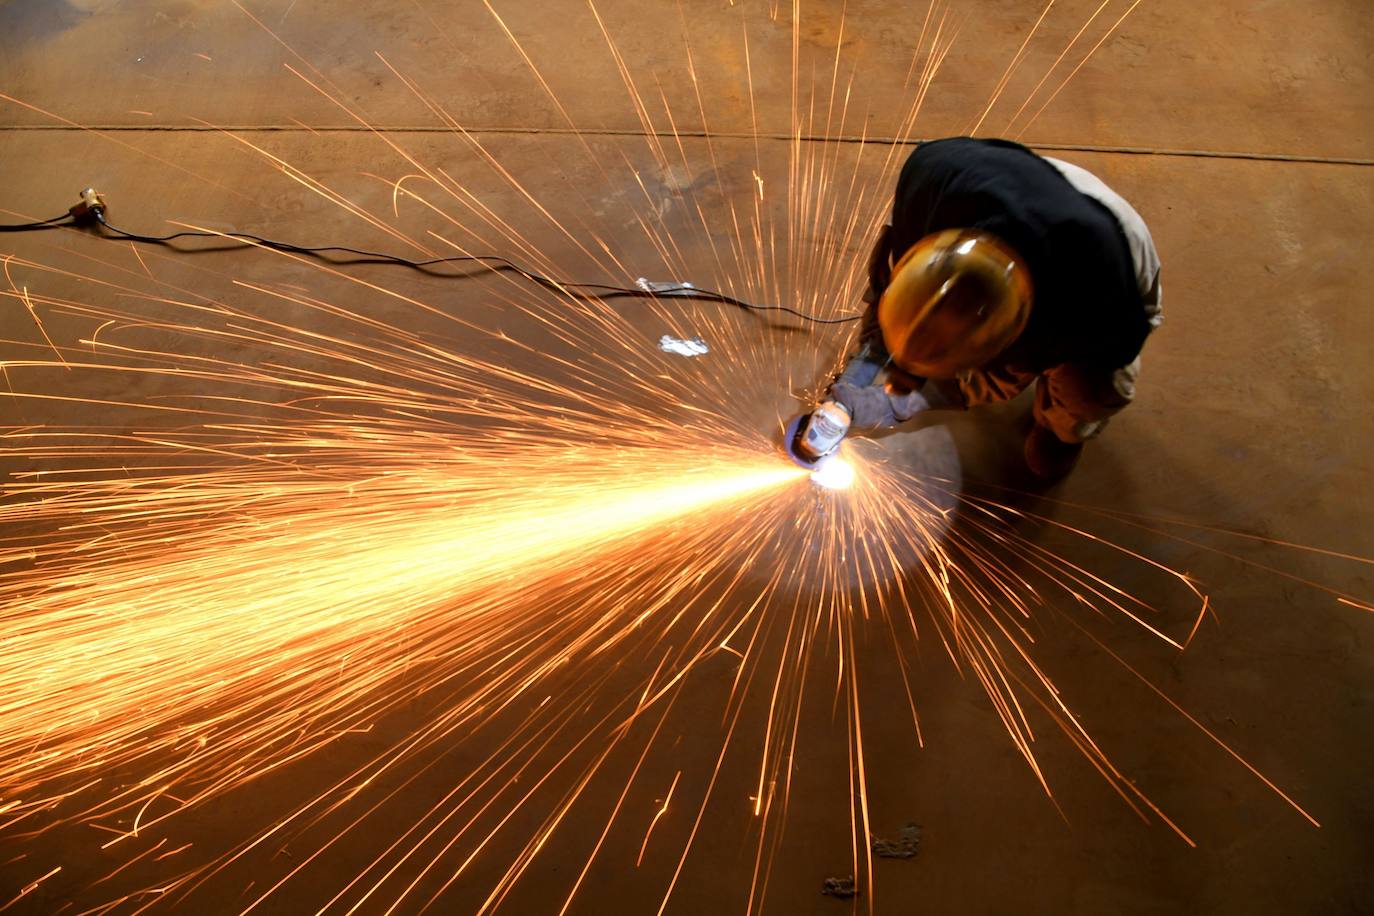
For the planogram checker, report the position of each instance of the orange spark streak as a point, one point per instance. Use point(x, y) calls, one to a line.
point(1011, 68)
point(533, 524)
point(1057, 61)
point(31, 887)
point(28, 304)
point(663, 809)
point(1086, 57)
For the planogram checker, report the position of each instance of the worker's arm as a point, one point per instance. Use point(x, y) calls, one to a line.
point(900, 396)
point(870, 356)
point(887, 405)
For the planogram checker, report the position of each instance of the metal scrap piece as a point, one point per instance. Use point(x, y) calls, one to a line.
point(690, 346)
point(908, 843)
point(840, 887)
point(666, 288)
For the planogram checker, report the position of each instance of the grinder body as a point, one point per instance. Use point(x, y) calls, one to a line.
point(817, 435)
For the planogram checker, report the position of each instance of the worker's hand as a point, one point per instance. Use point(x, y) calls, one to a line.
point(872, 407)
point(900, 382)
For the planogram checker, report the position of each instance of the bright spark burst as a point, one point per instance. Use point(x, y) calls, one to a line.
point(833, 474)
point(532, 531)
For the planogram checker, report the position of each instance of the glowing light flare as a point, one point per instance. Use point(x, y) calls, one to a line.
point(834, 474)
point(345, 568)
point(297, 613)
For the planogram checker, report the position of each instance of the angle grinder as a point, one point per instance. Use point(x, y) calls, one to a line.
point(811, 438)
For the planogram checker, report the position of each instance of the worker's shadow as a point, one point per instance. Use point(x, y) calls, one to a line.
point(1017, 540)
point(976, 461)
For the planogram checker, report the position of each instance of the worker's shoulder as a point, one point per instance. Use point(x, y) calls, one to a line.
point(962, 164)
point(970, 149)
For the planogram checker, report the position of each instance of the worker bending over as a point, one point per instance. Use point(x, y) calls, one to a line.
point(1000, 269)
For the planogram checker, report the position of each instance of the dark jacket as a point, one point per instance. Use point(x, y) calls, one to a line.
point(1086, 305)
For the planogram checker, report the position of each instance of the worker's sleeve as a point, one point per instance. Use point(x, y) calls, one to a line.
point(869, 355)
point(1144, 256)
point(883, 406)
point(880, 265)
point(1075, 402)
point(899, 398)
point(1154, 302)
point(892, 404)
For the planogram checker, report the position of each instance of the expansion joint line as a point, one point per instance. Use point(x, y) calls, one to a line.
point(683, 133)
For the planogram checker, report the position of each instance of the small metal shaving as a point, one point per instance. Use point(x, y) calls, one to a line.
point(689, 346)
point(907, 845)
point(840, 887)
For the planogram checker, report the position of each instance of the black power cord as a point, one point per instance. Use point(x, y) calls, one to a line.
point(57, 222)
point(92, 208)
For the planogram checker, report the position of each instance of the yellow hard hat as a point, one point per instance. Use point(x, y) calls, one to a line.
point(957, 299)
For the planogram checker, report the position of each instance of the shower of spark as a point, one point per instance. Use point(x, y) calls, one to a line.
point(320, 572)
point(834, 474)
point(506, 518)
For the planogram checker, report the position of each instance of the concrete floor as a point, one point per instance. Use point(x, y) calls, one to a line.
point(1243, 132)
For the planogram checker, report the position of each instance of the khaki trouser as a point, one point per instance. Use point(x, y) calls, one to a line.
point(1073, 402)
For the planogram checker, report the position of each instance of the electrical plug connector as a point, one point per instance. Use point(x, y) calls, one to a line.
point(90, 207)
